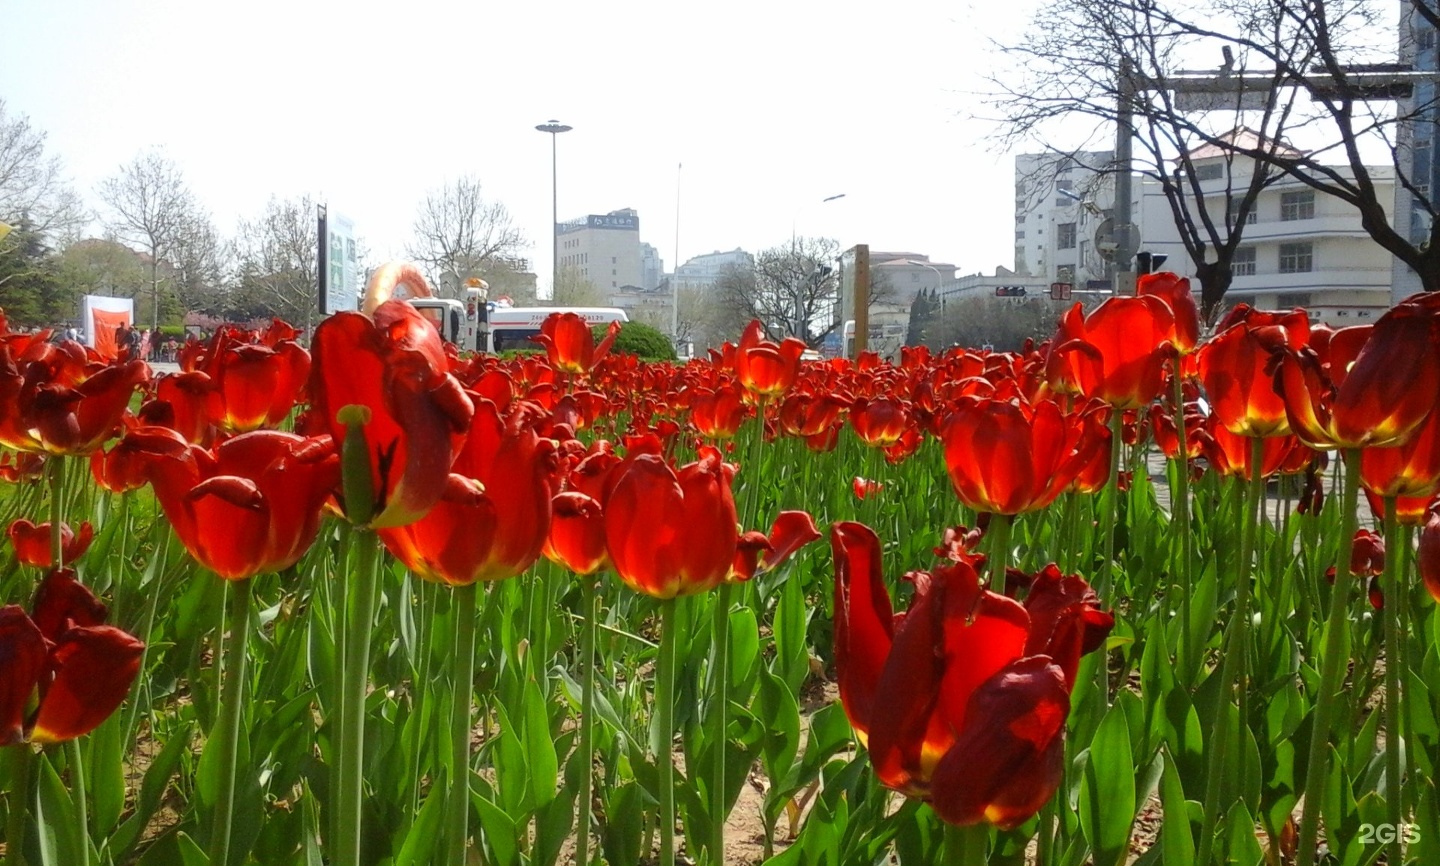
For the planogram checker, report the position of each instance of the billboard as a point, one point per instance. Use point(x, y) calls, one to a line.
point(339, 264)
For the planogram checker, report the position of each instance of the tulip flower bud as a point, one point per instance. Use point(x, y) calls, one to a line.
point(356, 483)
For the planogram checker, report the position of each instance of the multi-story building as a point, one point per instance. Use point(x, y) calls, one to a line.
point(604, 249)
point(1415, 144)
point(1299, 247)
point(901, 276)
point(651, 306)
point(1063, 215)
point(704, 271)
point(652, 267)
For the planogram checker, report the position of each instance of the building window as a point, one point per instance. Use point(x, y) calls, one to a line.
point(1065, 240)
point(1297, 259)
point(1232, 213)
point(1019, 235)
point(1297, 206)
point(612, 260)
point(1242, 263)
point(1210, 171)
point(1292, 299)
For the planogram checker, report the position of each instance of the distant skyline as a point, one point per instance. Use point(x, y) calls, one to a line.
point(769, 107)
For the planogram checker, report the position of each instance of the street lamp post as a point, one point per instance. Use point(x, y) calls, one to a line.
point(554, 127)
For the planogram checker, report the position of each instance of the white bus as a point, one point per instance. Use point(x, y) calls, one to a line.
point(506, 328)
point(512, 327)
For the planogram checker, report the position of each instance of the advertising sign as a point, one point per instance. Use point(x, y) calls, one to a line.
point(339, 263)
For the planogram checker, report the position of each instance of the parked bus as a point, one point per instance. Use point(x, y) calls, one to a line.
point(503, 328)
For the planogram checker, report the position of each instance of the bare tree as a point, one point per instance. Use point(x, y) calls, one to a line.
point(1113, 61)
point(277, 259)
point(150, 207)
point(197, 262)
point(1306, 62)
point(574, 290)
point(459, 233)
point(33, 187)
point(792, 289)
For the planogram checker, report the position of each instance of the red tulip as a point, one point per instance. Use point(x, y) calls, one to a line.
point(961, 702)
point(32, 543)
point(864, 488)
point(791, 531)
point(1174, 290)
point(1007, 457)
point(65, 671)
point(1365, 386)
point(59, 400)
point(879, 423)
point(577, 525)
point(718, 413)
point(1117, 354)
point(468, 537)
point(1411, 470)
point(265, 489)
point(570, 344)
point(394, 367)
point(1229, 453)
point(766, 368)
point(672, 533)
point(1237, 369)
point(1429, 556)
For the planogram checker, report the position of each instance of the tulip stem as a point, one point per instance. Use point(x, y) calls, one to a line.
point(22, 764)
point(999, 550)
point(1112, 514)
point(1235, 666)
point(457, 809)
point(965, 846)
point(228, 730)
point(1331, 667)
point(57, 510)
point(1394, 603)
point(351, 753)
point(721, 714)
point(665, 729)
point(583, 808)
point(1180, 517)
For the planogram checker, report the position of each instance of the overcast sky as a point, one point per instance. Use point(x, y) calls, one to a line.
point(770, 107)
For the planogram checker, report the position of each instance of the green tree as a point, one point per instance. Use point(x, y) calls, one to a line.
point(924, 311)
point(31, 293)
point(574, 290)
point(638, 338)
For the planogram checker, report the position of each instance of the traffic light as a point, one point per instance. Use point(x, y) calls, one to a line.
point(1009, 291)
point(1149, 263)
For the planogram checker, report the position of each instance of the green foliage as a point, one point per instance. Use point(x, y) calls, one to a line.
point(638, 338)
point(31, 292)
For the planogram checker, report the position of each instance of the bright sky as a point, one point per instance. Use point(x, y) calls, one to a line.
point(770, 107)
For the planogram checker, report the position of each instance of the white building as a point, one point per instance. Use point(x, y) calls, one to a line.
point(905, 274)
point(652, 267)
point(703, 272)
point(1063, 216)
point(1299, 248)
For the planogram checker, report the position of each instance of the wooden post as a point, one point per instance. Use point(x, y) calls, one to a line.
point(862, 298)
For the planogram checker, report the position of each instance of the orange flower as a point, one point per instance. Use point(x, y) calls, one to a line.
point(467, 536)
point(1117, 354)
point(881, 422)
point(766, 368)
point(570, 344)
point(1008, 457)
point(1174, 290)
point(577, 526)
point(59, 400)
point(669, 532)
point(1237, 369)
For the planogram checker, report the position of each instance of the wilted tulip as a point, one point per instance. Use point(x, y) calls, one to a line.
point(963, 701)
point(65, 671)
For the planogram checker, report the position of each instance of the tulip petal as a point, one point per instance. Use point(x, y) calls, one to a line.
point(62, 603)
point(863, 619)
point(1008, 759)
point(93, 669)
point(22, 658)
